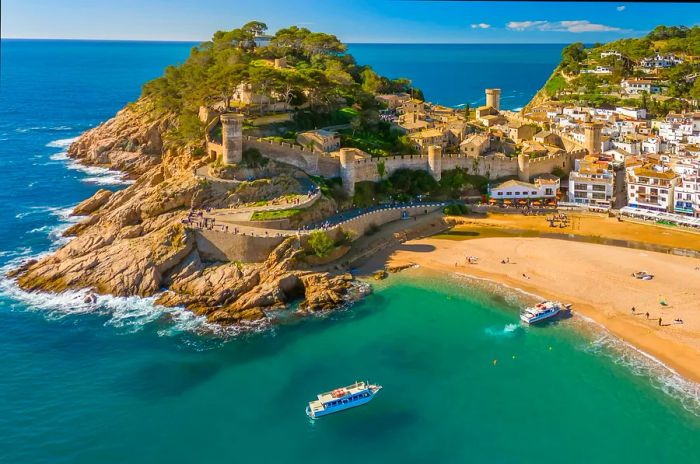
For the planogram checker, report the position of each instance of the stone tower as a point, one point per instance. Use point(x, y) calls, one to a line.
point(347, 169)
point(523, 167)
point(592, 138)
point(232, 135)
point(435, 161)
point(493, 98)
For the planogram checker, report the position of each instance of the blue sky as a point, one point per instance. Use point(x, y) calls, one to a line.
point(352, 21)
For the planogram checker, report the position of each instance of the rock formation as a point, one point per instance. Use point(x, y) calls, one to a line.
point(133, 241)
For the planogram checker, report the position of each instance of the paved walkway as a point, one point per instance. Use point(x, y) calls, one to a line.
point(204, 220)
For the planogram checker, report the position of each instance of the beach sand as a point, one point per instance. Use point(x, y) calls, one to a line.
point(595, 278)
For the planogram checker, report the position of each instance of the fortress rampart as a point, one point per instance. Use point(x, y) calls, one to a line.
point(352, 169)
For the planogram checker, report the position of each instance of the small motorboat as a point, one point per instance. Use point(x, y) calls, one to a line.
point(543, 311)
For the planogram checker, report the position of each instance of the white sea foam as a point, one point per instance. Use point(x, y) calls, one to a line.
point(506, 331)
point(61, 143)
point(43, 129)
point(604, 343)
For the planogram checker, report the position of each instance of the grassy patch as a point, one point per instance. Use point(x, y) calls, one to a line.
point(276, 214)
point(554, 85)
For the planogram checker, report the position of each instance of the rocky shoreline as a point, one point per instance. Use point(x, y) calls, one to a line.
point(132, 242)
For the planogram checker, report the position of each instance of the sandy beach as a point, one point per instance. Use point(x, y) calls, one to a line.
point(595, 278)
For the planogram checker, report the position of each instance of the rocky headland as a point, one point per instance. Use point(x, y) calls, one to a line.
point(133, 241)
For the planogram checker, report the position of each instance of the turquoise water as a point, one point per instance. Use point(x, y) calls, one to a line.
point(134, 383)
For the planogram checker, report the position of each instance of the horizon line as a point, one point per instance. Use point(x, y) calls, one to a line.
point(64, 39)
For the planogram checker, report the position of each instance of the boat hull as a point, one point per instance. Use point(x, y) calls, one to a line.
point(344, 405)
point(535, 320)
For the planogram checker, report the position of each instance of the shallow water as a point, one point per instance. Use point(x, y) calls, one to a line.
point(128, 381)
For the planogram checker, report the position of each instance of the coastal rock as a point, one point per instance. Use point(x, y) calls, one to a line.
point(131, 141)
point(134, 241)
point(93, 203)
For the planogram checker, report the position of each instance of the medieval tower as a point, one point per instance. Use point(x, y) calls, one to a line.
point(232, 135)
point(493, 98)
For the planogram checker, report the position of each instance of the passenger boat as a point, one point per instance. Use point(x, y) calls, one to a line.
point(341, 399)
point(542, 311)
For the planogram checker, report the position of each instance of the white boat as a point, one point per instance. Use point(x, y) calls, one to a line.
point(542, 311)
point(341, 399)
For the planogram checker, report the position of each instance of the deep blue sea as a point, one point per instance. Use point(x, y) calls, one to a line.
point(133, 383)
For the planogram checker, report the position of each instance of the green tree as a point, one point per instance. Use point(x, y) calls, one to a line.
point(321, 243)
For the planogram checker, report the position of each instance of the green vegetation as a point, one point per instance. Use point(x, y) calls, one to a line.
point(321, 243)
point(252, 158)
point(570, 84)
point(555, 84)
point(319, 74)
point(377, 138)
point(275, 214)
point(405, 184)
point(456, 209)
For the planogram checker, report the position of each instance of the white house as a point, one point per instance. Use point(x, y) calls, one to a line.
point(651, 187)
point(513, 190)
point(661, 61)
point(637, 86)
point(591, 182)
point(651, 145)
point(634, 113)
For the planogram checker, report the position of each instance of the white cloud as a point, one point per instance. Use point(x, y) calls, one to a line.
point(621, 8)
point(481, 26)
point(580, 25)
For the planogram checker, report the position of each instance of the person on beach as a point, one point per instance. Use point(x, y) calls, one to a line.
point(633, 309)
point(659, 321)
point(647, 315)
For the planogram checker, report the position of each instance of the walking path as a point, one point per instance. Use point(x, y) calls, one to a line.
point(209, 221)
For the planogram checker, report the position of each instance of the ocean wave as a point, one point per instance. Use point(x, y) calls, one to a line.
point(61, 143)
point(115, 179)
point(23, 130)
point(604, 343)
point(126, 314)
point(641, 364)
point(60, 156)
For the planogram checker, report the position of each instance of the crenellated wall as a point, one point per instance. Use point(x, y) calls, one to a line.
point(352, 169)
point(313, 162)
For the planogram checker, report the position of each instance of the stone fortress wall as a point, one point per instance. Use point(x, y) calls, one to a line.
point(214, 245)
point(352, 169)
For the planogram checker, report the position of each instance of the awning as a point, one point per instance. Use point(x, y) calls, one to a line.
point(537, 203)
point(522, 202)
point(507, 202)
point(493, 200)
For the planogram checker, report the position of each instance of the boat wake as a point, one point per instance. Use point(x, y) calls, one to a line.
point(604, 343)
point(509, 330)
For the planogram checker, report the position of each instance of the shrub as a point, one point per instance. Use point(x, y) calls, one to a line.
point(321, 243)
point(456, 209)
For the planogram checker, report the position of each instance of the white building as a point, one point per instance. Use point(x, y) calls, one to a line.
point(661, 61)
point(591, 182)
point(634, 113)
point(513, 190)
point(651, 187)
point(687, 192)
point(637, 86)
point(651, 144)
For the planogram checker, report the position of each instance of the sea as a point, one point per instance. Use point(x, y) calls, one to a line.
point(130, 382)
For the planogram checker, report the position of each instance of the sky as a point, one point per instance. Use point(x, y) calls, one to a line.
point(372, 21)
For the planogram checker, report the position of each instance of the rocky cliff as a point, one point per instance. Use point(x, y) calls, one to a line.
point(133, 242)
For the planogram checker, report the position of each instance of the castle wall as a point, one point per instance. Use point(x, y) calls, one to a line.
point(224, 246)
point(313, 162)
